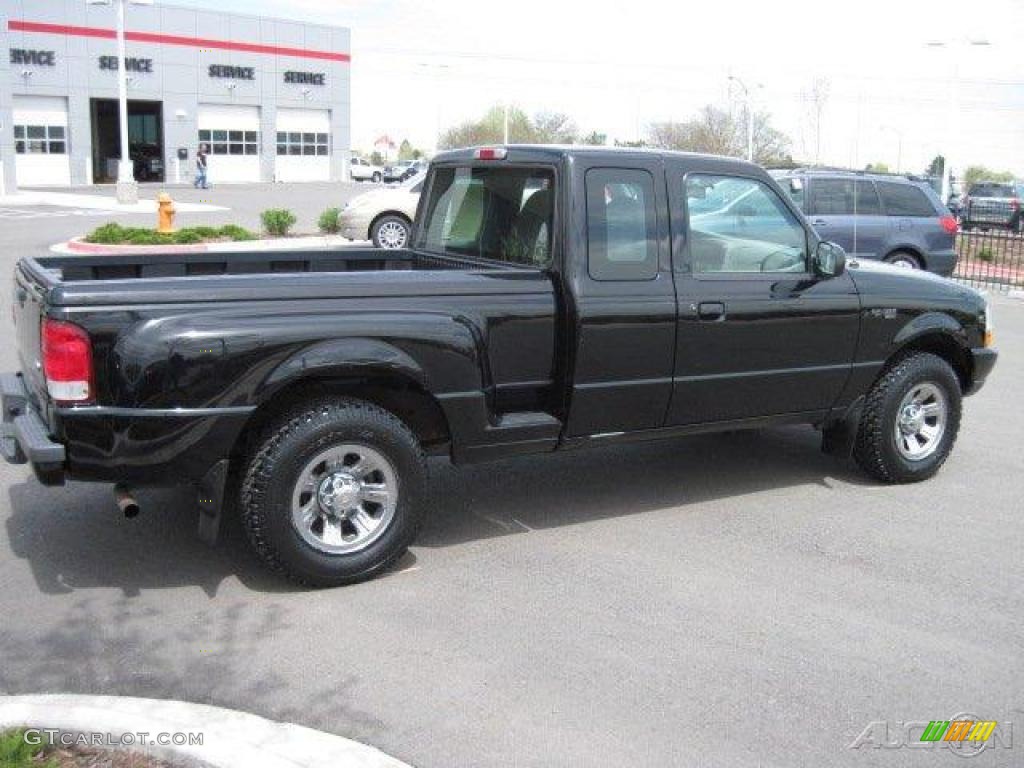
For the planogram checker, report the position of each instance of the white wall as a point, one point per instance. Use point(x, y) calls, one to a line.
point(304, 167)
point(227, 167)
point(43, 169)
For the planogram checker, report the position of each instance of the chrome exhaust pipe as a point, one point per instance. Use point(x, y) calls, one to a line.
point(126, 501)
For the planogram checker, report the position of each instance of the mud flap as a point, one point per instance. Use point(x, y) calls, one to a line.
point(839, 436)
point(210, 492)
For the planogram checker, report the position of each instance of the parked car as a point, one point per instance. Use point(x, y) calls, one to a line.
point(304, 389)
point(397, 171)
point(361, 169)
point(384, 215)
point(877, 216)
point(993, 204)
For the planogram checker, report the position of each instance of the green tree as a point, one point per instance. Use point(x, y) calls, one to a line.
point(717, 131)
point(876, 168)
point(554, 128)
point(376, 158)
point(976, 173)
point(489, 129)
point(936, 166)
point(595, 139)
point(405, 151)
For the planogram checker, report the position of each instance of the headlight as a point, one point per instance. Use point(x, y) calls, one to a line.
point(990, 328)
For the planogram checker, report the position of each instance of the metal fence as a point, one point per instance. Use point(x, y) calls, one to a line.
point(992, 260)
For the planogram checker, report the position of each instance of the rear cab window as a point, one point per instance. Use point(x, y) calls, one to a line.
point(497, 213)
point(905, 200)
point(622, 241)
point(990, 189)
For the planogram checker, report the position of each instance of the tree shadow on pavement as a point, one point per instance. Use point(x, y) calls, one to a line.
point(74, 538)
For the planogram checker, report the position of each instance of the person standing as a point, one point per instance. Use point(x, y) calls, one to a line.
point(201, 168)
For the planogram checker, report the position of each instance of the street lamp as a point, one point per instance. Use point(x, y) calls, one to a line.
point(750, 114)
point(953, 124)
point(127, 189)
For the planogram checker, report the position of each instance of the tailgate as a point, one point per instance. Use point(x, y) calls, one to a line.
point(29, 306)
point(990, 209)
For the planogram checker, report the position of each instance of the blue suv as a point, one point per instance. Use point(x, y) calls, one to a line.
point(893, 218)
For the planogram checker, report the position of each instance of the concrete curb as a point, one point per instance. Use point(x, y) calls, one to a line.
point(77, 246)
point(230, 739)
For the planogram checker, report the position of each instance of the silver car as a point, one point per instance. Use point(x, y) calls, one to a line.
point(384, 215)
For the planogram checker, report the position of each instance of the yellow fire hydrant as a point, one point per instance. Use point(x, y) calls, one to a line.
point(165, 214)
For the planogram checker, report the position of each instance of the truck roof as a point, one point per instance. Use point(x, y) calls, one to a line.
point(528, 152)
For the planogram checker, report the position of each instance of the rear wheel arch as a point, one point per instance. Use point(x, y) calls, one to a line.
point(399, 394)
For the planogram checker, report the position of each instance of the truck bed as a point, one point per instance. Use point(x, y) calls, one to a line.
point(105, 279)
point(171, 264)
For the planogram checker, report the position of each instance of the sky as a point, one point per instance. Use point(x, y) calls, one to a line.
point(893, 95)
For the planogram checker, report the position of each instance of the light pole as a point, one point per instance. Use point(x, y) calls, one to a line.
point(750, 114)
point(439, 71)
point(127, 189)
point(953, 123)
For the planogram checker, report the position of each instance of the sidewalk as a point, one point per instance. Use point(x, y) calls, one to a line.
point(98, 202)
point(230, 739)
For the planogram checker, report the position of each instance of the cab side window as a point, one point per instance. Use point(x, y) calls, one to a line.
point(741, 225)
point(622, 241)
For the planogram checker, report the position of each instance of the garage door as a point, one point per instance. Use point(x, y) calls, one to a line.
point(41, 140)
point(303, 145)
point(232, 135)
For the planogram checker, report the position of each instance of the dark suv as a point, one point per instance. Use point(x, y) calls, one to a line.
point(876, 216)
point(993, 204)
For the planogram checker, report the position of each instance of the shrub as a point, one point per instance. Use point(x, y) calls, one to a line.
point(15, 752)
point(107, 234)
point(206, 233)
point(985, 254)
point(186, 236)
point(277, 221)
point(235, 232)
point(329, 221)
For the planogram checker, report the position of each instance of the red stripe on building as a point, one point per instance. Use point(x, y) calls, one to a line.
point(155, 37)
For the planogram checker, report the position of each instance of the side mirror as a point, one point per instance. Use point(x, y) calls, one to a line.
point(796, 185)
point(829, 259)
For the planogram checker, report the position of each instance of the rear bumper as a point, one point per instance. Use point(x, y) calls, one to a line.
point(941, 262)
point(24, 437)
point(984, 362)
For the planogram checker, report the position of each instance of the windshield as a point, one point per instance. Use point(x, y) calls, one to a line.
point(501, 214)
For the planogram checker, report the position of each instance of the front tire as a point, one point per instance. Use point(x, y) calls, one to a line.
point(376, 177)
point(391, 232)
point(333, 493)
point(910, 420)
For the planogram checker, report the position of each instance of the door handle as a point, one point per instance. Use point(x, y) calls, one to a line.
point(820, 223)
point(711, 311)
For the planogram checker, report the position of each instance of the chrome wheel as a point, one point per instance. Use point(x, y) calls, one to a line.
point(345, 499)
point(921, 421)
point(392, 234)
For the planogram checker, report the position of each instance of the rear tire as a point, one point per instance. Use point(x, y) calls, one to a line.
point(323, 447)
point(919, 391)
point(903, 259)
point(376, 177)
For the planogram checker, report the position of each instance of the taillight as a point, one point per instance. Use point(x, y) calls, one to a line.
point(1015, 204)
point(67, 362)
point(491, 153)
point(949, 224)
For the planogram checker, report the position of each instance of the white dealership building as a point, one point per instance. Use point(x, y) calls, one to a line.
point(269, 97)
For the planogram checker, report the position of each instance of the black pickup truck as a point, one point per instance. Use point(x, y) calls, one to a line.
point(553, 298)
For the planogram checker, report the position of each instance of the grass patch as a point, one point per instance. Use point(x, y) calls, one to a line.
point(15, 753)
point(115, 234)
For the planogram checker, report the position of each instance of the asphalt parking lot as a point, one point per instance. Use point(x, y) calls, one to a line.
point(732, 600)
